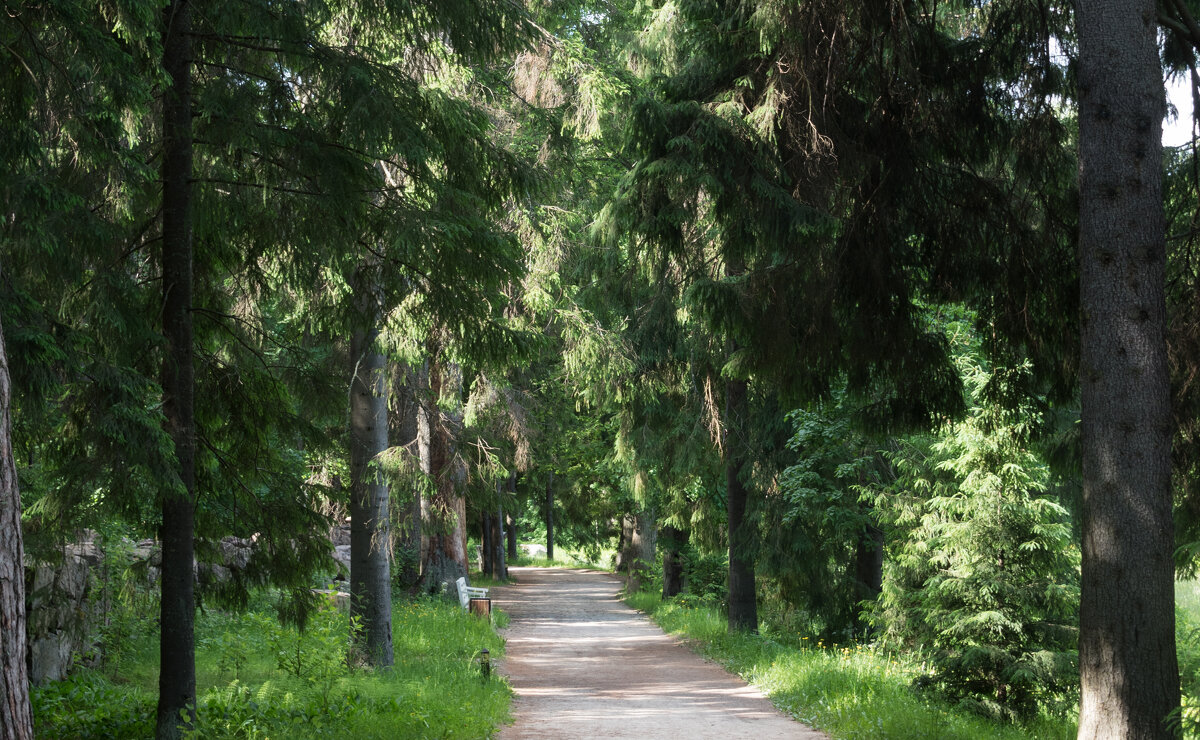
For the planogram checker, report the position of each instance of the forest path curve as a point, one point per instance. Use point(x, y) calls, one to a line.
point(585, 665)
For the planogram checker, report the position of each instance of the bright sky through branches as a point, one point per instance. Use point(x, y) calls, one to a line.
point(1177, 130)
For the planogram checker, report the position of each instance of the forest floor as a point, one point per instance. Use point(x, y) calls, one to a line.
point(583, 664)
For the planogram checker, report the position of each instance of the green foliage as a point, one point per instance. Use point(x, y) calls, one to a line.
point(850, 691)
point(87, 705)
point(705, 575)
point(983, 567)
point(818, 522)
point(1187, 640)
point(434, 690)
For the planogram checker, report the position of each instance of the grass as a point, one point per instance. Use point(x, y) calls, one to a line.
point(851, 691)
point(435, 688)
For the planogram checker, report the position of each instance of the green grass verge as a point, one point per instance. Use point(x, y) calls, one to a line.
point(571, 559)
point(435, 688)
point(847, 691)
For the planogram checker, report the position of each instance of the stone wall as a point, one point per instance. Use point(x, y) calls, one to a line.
point(62, 614)
point(56, 609)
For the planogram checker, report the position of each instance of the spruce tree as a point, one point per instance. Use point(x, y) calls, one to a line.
point(1128, 665)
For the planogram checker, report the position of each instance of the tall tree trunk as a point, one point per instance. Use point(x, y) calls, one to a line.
point(624, 538)
point(743, 604)
point(177, 651)
point(636, 554)
point(867, 574)
point(370, 535)
point(500, 562)
point(672, 540)
point(486, 551)
point(1128, 670)
point(868, 563)
point(406, 509)
point(550, 516)
point(511, 529)
point(445, 558)
point(16, 720)
point(426, 420)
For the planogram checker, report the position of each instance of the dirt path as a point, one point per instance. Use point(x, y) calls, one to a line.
point(585, 665)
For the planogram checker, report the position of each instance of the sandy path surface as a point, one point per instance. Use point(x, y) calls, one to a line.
point(585, 665)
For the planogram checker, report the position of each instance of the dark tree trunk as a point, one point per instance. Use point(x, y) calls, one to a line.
point(743, 604)
point(177, 653)
point(868, 563)
point(406, 509)
point(498, 562)
point(511, 529)
point(1128, 668)
point(624, 538)
point(445, 559)
point(550, 516)
point(868, 574)
point(636, 554)
point(486, 550)
point(673, 541)
point(370, 561)
point(16, 720)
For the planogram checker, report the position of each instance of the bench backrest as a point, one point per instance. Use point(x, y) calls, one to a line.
point(463, 598)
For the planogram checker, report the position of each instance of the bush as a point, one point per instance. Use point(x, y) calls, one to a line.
point(1187, 640)
point(88, 705)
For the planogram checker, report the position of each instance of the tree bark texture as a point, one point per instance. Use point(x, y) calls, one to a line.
point(370, 535)
point(624, 537)
point(743, 597)
point(1128, 668)
point(637, 551)
point(177, 653)
point(16, 719)
point(406, 507)
point(550, 516)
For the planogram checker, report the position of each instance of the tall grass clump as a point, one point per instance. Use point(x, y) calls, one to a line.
point(849, 691)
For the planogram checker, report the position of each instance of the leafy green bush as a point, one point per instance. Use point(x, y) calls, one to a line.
point(238, 711)
point(705, 575)
point(88, 705)
point(1187, 640)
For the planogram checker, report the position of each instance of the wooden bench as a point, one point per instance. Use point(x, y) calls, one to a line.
point(466, 593)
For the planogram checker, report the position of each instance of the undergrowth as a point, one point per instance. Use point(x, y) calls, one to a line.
point(596, 559)
point(258, 679)
point(849, 691)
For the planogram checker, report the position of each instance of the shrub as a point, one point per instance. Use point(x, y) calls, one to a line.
point(88, 705)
